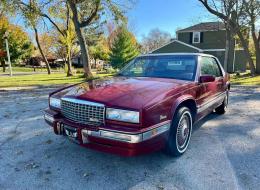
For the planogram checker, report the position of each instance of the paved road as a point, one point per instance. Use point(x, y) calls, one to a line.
point(224, 152)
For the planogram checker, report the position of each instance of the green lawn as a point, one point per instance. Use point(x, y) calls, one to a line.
point(245, 79)
point(20, 69)
point(43, 80)
point(61, 79)
point(23, 69)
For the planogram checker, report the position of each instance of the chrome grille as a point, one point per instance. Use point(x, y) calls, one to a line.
point(83, 112)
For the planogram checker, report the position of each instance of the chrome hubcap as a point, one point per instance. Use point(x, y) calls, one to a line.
point(183, 131)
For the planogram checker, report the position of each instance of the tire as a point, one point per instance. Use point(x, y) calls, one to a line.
point(223, 107)
point(180, 132)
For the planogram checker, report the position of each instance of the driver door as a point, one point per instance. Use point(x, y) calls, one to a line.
point(209, 92)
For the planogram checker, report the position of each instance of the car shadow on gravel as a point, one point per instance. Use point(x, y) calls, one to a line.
point(209, 117)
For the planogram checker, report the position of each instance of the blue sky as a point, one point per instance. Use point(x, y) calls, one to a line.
point(167, 15)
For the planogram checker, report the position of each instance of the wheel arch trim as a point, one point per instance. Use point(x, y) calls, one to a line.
point(181, 100)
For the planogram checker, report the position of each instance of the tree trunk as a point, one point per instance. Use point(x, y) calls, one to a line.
point(247, 52)
point(230, 45)
point(81, 40)
point(228, 37)
point(40, 49)
point(236, 28)
point(69, 72)
point(257, 47)
point(3, 65)
point(258, 61)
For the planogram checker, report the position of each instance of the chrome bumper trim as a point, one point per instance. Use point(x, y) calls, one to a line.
point(125, 137)
point(48, 118)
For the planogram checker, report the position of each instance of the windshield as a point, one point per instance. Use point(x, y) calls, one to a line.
point(162, 66)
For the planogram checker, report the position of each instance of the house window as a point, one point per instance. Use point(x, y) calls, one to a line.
point(196, 37)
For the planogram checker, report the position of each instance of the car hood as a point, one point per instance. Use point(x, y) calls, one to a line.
point(123, 92)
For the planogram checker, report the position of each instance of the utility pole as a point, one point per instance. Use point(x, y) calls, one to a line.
point(8, 53)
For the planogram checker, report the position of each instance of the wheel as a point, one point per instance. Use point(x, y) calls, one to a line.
point(223, 107)
point(180, 132)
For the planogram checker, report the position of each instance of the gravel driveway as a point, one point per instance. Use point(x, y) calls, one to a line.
point(224, 152)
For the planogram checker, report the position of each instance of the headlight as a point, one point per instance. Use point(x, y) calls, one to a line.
point(55, 102)
point(122, 115)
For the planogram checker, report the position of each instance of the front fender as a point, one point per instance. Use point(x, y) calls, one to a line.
point(181, 99)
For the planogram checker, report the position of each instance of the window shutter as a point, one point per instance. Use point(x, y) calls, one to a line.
point(191, 36)
point(201, 37)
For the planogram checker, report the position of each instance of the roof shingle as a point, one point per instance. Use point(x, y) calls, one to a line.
point(205, 26)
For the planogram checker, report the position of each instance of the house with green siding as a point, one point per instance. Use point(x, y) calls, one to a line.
point(209, 38)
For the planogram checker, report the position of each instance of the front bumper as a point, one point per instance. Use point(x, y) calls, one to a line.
point(112, 141)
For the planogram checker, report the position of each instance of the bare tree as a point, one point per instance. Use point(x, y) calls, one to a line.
point(155, 39)
point(252, 14)
point(230, 11)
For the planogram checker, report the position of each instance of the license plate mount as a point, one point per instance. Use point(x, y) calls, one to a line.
point(71, 133)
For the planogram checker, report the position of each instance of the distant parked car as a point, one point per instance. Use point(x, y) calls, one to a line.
point(58, 63)
point(151, 104)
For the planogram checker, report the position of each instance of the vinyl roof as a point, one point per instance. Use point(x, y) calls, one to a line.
point(183, 54)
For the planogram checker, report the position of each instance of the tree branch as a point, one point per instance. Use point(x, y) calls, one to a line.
point(53, 23)
point(258, 38)
point(92, 15)
point(218, 14)
point(45, 16)
point(67, 16)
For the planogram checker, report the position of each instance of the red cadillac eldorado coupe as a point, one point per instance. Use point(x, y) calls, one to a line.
point(151, 104)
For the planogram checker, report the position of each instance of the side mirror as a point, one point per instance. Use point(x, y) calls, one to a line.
point(207, 78)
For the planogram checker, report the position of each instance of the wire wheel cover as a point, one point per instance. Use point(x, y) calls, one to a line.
point(183, 131)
